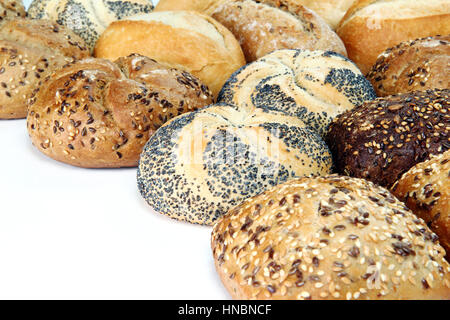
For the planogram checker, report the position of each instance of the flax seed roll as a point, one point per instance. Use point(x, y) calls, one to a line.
point(30, 50)
point(328, 238)
point(413, 65)
point(99, 114)
point(425, 189)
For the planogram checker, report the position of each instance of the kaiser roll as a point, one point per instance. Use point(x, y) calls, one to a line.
point(264, 26)
point(413, 65)
point(371, 26)
point(328, 238)
point(99, 114)
point(186, 40)
point(30, 50)
point(87, 18)
point(314, 86)
point(383, 139)
point(200, 164)
point(425, 189)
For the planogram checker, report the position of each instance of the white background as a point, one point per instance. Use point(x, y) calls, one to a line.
point(69, 233)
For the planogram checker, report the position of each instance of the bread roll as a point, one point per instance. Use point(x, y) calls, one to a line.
point(328, 238)
point(97, 114)
point(199, 165)
point(186, 40)
point(11, 9)
point(413, 65)
point(314, 86)
point(381, 140)
point(425, 189)
point(202, 6)
point(264, 26)
point(87, 18)
point(29, 51)
point(372, 26)
point(331, 11)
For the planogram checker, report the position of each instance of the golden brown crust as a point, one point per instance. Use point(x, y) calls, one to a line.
point(332, 11)
point(185, 40)
point(203, 6)
point(264, 26)
point(11, 9)
point(372, 26)
point(413, 65)
point(98, 114)
point(29, 51)
point(328, 238)
point(425, 189)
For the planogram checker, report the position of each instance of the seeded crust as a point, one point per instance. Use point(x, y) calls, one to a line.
point(328, 238)
point(314, 86)
point(264, 26)
point(200, 164)
point(185, 40)
point(425, 189)
point(372, 26)
point(413, 65)
point(30, 51)
point(381, 140)
point(11, 9)
point(88, 18)
point(97, 114)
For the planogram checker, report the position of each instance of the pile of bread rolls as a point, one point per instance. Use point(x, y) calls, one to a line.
point(313, 136)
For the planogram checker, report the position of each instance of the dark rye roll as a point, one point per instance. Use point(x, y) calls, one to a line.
point(99, 114)
point(314, 86)
point(200, 164)
point(381, 140)
point(425, 189)
point(328, 238)
point(419, 64)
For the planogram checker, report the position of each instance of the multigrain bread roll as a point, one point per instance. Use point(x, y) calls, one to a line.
point(314, 86)
point(267, 25)
point(413, 65)
point(425, 189)
point(381, 140)
point(30, 50)
point(200, 164)
point(11, 9)
point(87, 18)
point(372, 26)
point(97, 114)
point(185, 40)
point(328, 238)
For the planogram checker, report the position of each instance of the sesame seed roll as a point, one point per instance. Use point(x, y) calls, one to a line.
point(328, 238)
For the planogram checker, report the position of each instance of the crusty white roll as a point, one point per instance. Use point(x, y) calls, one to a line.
point(371, 26)
point(87, 18)
point(185, 40)
point(328, 238)
point(418, 64)
point(266, 25)
point(425, 189)
point(200, 164)
point(314, 86)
